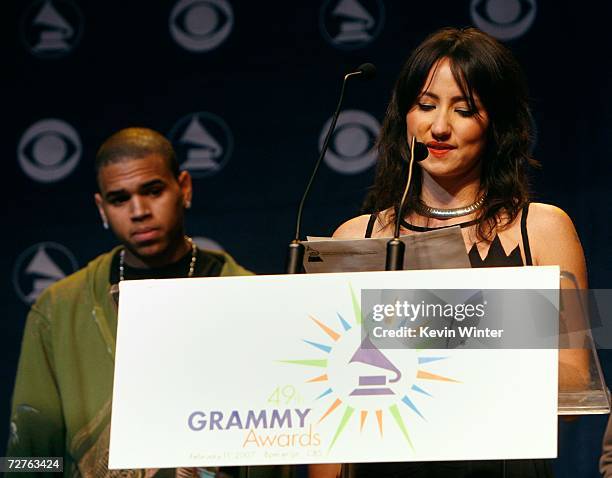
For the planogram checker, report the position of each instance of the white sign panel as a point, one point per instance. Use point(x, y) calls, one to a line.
point(269, 370)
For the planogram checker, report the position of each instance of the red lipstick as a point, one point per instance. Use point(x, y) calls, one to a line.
point(438, 149)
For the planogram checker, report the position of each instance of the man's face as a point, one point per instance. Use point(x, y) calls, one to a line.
point(143, 203)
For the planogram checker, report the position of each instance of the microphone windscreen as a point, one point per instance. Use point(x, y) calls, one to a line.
point(420, 151)
point(367, 70)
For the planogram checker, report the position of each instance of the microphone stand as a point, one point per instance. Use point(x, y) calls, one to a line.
point(395, 247)
point(295, 253)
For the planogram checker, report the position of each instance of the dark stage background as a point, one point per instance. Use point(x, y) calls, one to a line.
point(244, 89)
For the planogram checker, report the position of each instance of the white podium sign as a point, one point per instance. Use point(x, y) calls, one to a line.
point(263, 370)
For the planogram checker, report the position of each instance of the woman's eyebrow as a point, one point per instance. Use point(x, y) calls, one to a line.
point(454, 99)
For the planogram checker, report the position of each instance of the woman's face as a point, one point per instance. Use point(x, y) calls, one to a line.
point(442, 119)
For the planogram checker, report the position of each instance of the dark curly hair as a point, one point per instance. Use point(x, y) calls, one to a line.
point(482, 66)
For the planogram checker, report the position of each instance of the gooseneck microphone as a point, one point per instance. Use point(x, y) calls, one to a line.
point(395, 247)
point(367, 71)
point(295, 254)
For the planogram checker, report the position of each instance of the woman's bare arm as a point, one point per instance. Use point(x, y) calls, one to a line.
point(554, 241)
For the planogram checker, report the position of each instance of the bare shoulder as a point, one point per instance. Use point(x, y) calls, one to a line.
point(353, 228)
point(548, 222)
point(554, 240)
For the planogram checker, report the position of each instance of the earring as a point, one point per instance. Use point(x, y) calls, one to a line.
point(187, 204)
point(105, 224)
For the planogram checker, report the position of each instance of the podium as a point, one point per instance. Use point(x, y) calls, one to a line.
point(236, 371)
point(593, 397)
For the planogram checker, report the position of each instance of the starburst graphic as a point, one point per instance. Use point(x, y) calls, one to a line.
point(381, 392)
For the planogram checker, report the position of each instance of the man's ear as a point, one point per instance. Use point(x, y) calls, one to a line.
point(184, 181)
point(98, 200)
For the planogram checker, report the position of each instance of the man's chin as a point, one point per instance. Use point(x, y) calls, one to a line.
point(155, 251)
point(148, 249)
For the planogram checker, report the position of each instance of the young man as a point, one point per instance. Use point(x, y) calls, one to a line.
point(62, 398)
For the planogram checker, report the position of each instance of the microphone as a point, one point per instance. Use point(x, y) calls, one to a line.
point(367, 71)
point(395, 247)
point(295, 254)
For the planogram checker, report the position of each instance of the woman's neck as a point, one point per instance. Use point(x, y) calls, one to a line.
point(448, 193)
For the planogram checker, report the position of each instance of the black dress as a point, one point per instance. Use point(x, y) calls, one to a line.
point(496, 257)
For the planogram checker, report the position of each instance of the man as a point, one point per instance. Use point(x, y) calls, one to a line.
point(605, 461)
point(62, 398)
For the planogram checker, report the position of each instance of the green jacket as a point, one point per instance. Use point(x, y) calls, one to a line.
point(62, 397)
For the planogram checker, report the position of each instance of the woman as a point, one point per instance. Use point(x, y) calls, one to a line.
point(463, 95)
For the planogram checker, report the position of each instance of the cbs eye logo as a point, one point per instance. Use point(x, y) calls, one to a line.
point(201, 25)
point(504, 19)
point(49, 150)
point(351, 148)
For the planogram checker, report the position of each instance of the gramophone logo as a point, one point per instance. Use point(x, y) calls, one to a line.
point(203, 143)
point(39, 266)
point(52, 28)
point(504, 19)
point(201, 25)
point(351, 24)
point(351, 148)
point(380, 384)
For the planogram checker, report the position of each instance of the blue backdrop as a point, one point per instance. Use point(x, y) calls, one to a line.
point(244, 89)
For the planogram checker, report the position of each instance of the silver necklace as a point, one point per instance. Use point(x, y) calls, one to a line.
point(192, 264)
point(440, 213)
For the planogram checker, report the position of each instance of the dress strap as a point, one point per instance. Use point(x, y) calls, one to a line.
point(411, 227)
point(525, 236)
point(370, 227)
